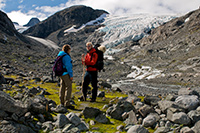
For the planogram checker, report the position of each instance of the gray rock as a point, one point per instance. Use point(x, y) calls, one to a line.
point(162, 130)
point(186, 130)
point(133, 99)
point(196, 127)
point(137, 129)
point(101, 118)
point(73, 118)
point(164, 105)
point(132, 119)
point(83, 126)
point(12, 127)
point(67, 128)
point(3, 114)
point(47, 126)
point(187, 91)
point(118, 109)
point(188, 102)
point(90, 112)
point(151, 100)
point(194, 116)
point(10, 105)
point(145, 110)
point(2, 79)
point(61, 121)
point(180, 118)
point(149, 121)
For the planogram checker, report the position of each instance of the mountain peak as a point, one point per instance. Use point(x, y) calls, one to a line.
point(32, 22)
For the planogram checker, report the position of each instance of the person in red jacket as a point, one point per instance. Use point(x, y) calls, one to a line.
point(91, 72)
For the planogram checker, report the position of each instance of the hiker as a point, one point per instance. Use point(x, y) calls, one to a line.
point(66, 78)
point(91, 72)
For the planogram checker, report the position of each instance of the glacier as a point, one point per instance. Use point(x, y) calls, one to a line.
point(120, 29)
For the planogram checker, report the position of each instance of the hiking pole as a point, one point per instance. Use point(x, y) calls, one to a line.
point(84, 98)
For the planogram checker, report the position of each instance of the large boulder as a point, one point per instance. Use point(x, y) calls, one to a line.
point(188, 102)
point(118, 109)
point(9, 104)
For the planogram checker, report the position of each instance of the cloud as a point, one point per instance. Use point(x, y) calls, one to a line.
point(115, 7)
point(2, 4)
point(140, 6)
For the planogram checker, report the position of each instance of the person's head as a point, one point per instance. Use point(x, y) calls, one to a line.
point(89, 46)
point(66, 48)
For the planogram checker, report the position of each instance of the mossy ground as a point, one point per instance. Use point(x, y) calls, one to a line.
point(53, 89)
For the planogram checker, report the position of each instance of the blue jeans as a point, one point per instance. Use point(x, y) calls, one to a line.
point(90, 76)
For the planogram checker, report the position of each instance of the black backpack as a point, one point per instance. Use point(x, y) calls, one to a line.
point(58, 66)
point(99, 64)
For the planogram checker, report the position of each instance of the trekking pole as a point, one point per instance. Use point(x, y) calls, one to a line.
point(84, 69)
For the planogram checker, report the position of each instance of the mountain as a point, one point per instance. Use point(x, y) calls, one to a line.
point(32, 22)
point(75, 15)
point(22, 52)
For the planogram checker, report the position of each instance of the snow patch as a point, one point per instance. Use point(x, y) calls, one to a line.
point(97, 21)
point(145, 72)
point(46, 42)
point(187, 19)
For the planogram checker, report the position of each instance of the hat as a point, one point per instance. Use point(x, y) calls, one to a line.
point(102, 48)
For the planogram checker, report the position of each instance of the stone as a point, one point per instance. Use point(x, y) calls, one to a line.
point(137, 129)
point(189, 102)
point(90, 112)
point(73, 118)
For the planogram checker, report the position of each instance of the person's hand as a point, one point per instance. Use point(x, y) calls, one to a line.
point(83, 59)
point(71, 78)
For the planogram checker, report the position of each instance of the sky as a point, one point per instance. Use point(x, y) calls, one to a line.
point(21, 11)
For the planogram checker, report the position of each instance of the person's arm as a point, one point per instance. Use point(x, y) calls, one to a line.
point(68, 65)
point(93, 61)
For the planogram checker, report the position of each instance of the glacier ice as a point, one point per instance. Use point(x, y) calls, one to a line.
point(120, 29)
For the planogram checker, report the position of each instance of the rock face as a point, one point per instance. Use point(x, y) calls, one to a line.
point(32, 22)
point(75, 15)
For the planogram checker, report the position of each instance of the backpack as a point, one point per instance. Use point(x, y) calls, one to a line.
point(58, 66)
point(99, 64)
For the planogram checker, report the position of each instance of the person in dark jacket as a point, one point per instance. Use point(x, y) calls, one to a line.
point(66, 78)
point(91, 72)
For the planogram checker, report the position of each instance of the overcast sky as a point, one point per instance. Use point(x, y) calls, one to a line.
point(22, 11)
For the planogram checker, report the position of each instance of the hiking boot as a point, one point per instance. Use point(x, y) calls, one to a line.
point(92, 100)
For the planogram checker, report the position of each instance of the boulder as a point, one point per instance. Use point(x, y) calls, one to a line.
point(188, 102)
point(137, 129)
point(180, 118)
point(61, 121)
point(194, 116)
point(9, 104)
point(151, 100)
point(118, 109)
point(187, 91)
point(90, 112)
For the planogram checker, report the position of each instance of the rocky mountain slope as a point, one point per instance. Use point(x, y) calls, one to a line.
point(172, 48)
point(23, 53)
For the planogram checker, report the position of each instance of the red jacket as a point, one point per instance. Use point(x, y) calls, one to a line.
point(90, 62)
